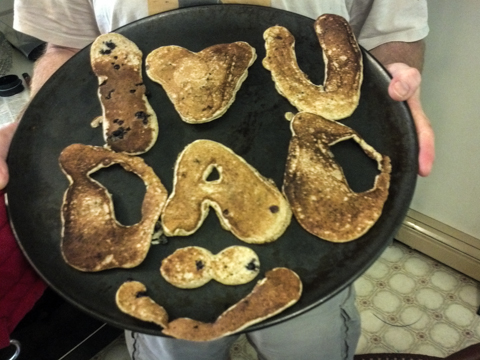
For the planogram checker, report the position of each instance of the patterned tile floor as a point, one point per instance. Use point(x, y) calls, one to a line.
point(408, 302)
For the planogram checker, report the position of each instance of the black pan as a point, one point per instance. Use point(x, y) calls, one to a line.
point(254, 127)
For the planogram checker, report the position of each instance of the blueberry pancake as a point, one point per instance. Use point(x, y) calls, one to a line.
point(202, 85)
point(235, 265)
point(193, 266)
point(246, 203)
point(129, 123)
point(188, 268)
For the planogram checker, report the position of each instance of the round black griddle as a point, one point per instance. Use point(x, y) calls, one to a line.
point(254, 127)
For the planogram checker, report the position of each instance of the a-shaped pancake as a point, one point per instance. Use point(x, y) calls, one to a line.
point(280, 289)
point(202, 85)
point(338, 97)
point(246, 203)
point(193, 266)
point(132, 299)
point(129, 122)
point(92, 239)
point(315, 184)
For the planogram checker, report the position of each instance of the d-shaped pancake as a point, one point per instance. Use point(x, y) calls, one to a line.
point(340, 93)
point(246, 203)
point(202, 85)
point(92, 239)
point(315, 185)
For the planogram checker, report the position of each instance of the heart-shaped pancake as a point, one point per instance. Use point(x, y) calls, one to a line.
point(202, 85)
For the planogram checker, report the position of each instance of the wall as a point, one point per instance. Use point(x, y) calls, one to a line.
point(6, 5)
point(444, 217)
point(451, 97)
point(6, 11)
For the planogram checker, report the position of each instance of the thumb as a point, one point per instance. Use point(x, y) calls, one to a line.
point(6, 134)
point(3, 174)
point(405, 81)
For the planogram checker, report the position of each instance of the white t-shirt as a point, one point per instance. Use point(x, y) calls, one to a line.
point(76, 23)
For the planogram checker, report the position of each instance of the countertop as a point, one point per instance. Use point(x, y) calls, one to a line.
point(11, 106)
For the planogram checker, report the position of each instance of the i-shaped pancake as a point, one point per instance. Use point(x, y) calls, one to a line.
point(338, 97)
point(317, 189)
point(92, 239)
point(129, 123)
point(246, 203)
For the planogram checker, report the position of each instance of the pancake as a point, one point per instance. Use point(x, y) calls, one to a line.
point(246, 203)
point(339, 95)
point(316, 188)
point(92, 239)
point(235, 265)
point(202, 85)
point(129, 123)
point(132, 299)
point(188, 268)
point(193, 266)
point(280, 289)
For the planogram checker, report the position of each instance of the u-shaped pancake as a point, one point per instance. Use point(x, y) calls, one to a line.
point(338, 97)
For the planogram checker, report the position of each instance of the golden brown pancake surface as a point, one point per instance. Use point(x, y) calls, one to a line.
point(92, 239)
point(132, 299)
point(246, 203)
point(338, 97)
point(188, 268)
point(130, 124)
point(202, 85)
point(280, 289)
point(193, 266)
point(316, 188)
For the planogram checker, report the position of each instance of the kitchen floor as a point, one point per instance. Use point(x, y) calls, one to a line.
point(408, 302)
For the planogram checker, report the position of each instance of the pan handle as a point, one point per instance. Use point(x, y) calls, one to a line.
point(15, 343)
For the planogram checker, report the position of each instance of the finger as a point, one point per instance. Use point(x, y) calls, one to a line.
point(425, 134)
point(3, 174)
point(405, 81)
point(6, 134)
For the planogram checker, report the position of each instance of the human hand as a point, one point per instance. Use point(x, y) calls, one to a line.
point(6, 134)
point(405, 86)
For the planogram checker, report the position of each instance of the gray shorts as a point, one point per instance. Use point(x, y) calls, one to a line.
point(327, 332)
